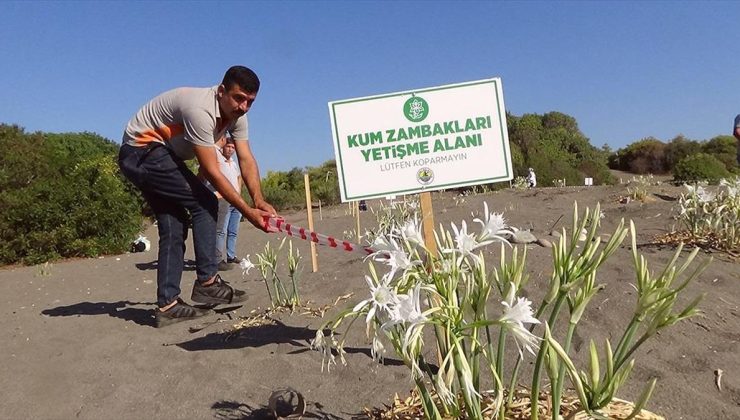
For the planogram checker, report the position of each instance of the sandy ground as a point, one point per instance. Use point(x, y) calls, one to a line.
point(79, 341)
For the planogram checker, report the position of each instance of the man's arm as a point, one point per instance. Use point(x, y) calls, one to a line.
point(210, 169)
point(251, 175)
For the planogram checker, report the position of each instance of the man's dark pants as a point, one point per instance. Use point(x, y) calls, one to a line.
point(173, 192)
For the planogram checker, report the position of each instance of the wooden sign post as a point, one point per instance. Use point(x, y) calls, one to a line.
point(427, 220)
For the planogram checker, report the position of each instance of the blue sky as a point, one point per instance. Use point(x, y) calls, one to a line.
point(624, 70)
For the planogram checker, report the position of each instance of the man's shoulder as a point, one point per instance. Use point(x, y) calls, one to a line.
point(195, 96)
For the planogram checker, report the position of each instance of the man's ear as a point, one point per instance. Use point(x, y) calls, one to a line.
point(221, 90)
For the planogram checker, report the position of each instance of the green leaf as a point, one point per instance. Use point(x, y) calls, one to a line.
point(644, 397)
point(595, 374)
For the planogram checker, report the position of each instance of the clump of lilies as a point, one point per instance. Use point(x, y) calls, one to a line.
point(713, 215)
point(474, 313)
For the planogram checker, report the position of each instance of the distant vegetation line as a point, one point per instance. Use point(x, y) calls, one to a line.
point(61, 194)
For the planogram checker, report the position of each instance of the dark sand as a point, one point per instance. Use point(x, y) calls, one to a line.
point(79, 341)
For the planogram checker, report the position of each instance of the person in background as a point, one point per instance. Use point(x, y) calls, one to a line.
point(227, 222)
point(179, 125)
point(531, 178)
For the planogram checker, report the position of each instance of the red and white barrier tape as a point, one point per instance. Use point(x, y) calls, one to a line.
point(273, 225)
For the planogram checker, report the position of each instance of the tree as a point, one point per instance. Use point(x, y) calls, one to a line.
point(554, 146)
point(679, 148)
point(724, 148)
point(642, 157)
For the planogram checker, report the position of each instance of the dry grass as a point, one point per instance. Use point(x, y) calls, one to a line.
point(410, 408)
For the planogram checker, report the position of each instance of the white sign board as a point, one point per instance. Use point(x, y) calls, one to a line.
point(421, 140)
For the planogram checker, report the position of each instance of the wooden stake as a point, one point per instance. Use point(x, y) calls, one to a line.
point(309, 211)
point(427, 218)
point(356, 209)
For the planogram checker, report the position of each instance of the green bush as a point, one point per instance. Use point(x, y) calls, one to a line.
point(62, 196)
point(679, 148)
point(700, 167)
point(724, 148)
point(647, 156)
point(286, 190)
point(553, 145)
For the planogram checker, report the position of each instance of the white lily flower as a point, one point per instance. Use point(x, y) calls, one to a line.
point(382, 245)
point(378, 350)
point(443, 391)
point(408, 313)
point(466, 242)
point(382, 299)
point(246, 265)
point(468, 383)
point(408, 308)
point(411, 231)
point(704, 196)
point(493, 225)
point(324, 346)
point(399, 260)
point(448, 265)
point(516, 314)
point(732, 186)
point(390, 253)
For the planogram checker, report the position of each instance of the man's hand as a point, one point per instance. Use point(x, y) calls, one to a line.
point(265, 206)
point(257, 218)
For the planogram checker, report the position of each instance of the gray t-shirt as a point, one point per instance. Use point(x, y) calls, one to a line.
point(181, 118)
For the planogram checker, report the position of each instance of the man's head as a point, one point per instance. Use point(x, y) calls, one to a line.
point(237, 92)
point(228, 149)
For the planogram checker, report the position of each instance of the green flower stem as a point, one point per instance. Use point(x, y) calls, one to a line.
point(295, 298)
point(430, 409)
point(618, 363)
point(625, 340)
point(500, 364)
point(557, 388)
point(472, 405)
point(517, 365)
point(541, 358)
point(267, 285)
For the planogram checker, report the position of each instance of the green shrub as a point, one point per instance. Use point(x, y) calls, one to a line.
point(679, 148)
point(76, 204)
point(700, 167)
point(553, 145)
point(286, 190)
point(724, 148)
point(647, 156)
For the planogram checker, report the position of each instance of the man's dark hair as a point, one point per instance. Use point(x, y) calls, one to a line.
point(242, 76)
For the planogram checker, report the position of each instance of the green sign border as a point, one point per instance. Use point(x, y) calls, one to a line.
point(435, 187)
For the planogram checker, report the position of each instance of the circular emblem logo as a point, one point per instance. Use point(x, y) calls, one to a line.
point(415, 109)
point(425, 176)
